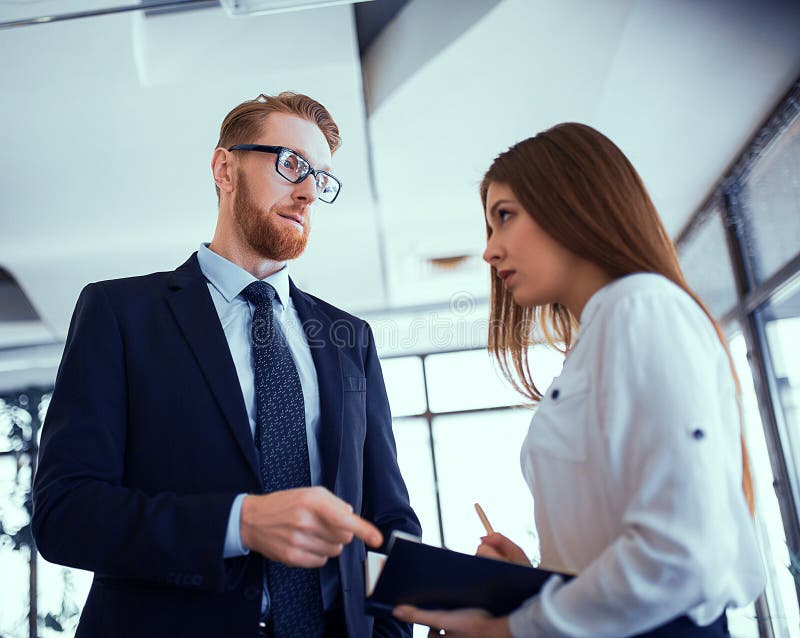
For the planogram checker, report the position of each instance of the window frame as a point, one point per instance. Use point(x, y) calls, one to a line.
point(752, 297)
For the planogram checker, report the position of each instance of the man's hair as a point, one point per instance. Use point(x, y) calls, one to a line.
point(245, 121)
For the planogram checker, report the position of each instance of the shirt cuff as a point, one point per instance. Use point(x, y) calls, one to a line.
point(530, 621)
point(233, 536)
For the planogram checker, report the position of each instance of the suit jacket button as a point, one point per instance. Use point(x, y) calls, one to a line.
point(251, 592)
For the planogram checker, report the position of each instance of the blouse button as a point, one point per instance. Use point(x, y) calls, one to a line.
point(554, 394)
point(698, 434)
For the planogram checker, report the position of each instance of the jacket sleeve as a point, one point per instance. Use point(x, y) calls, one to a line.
point(84, 514)
point(386, 501)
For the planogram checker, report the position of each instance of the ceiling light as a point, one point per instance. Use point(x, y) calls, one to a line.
point(450, 262)
point(258, 7)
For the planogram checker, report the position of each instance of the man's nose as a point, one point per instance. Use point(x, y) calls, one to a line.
point(306, 190)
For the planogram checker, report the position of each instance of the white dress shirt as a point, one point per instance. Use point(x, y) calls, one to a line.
point(634, 461)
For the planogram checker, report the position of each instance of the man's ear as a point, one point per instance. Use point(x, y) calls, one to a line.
point(222, 169)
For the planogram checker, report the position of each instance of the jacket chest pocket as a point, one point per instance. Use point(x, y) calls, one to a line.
point(558, 428)
point(354, 383)
point(354, 407)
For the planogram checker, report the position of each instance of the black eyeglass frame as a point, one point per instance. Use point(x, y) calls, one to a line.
point(263, 148)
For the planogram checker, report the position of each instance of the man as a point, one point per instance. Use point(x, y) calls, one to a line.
point(215, 433)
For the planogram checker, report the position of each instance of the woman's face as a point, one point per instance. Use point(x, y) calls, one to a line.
point(533, 266)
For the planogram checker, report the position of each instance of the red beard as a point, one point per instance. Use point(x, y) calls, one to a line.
point(269, 237)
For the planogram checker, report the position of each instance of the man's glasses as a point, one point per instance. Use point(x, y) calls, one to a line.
point(295, 168)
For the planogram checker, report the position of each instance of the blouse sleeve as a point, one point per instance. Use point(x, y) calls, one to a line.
point(662, 398)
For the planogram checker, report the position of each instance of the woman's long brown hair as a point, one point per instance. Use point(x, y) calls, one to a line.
point(582, 191)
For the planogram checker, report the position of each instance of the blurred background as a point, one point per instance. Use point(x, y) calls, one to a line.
point(112, 109)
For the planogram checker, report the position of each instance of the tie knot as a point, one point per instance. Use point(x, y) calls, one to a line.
point(259, 293)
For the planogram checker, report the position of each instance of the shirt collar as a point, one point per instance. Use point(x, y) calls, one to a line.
point(590, 308)
point(230, 279)
point(596, 301)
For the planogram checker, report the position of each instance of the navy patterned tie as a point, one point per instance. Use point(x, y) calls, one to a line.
point(295, 595)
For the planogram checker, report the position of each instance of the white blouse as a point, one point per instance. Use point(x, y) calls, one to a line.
point(634, 461)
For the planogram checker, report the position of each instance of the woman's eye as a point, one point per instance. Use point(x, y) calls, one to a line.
point(503, 215)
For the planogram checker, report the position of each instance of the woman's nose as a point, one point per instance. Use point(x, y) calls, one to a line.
point(492, 252)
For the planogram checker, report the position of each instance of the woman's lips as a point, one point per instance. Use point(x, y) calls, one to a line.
point(506, 276)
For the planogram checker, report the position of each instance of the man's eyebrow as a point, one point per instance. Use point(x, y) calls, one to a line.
point(304, 153)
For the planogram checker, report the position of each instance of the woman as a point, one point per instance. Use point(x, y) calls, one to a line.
point(634, 456)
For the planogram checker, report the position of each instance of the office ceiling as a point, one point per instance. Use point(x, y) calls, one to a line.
point(109, 125)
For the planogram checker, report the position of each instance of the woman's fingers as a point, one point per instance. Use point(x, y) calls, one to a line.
point(502, 548)
point(487, 551)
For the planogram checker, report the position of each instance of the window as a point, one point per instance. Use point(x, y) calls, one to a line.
point(466, 380)
point(416, 465)
point(59, 591)
point(477, 457)
point(470, 380)
point(465, 447)
point(780, 593)
point(760, 202)
point(706, 263)
point(14, 554)
point(781, 322)
point(771, 203)
point(404, 385)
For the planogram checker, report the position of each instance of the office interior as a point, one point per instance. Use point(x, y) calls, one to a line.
point(111, 112)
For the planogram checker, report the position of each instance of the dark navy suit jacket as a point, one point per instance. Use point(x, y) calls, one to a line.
point(146, 444)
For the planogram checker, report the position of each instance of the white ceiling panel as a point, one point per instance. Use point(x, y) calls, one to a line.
point(679, 85)
point(109, 125)
point(114, 122)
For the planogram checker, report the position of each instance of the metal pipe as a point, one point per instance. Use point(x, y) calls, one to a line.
point(167, 4)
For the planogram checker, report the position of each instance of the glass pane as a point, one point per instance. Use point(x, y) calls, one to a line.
point(771, 199)
point(62, 592)
point(15, 484)
point(469, 380)
point(14, 578)
point(781, 320)
point(706, 263)
point(780, 592)
point(477, 460)
point(416, 466)
point(405, 385)
point(19, 413)
point(15, 427)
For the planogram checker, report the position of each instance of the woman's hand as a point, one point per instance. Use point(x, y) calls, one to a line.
point(463, 623)
point(499, 547)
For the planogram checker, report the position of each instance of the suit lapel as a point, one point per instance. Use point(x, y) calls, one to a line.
point(318, 330)
point(194, 311)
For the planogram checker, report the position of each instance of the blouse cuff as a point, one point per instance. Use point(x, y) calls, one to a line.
point(529, 620)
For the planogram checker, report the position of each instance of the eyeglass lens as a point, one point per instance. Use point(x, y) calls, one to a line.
point(294, 168)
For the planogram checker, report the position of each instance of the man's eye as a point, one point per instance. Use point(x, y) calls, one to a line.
point(293, 163)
